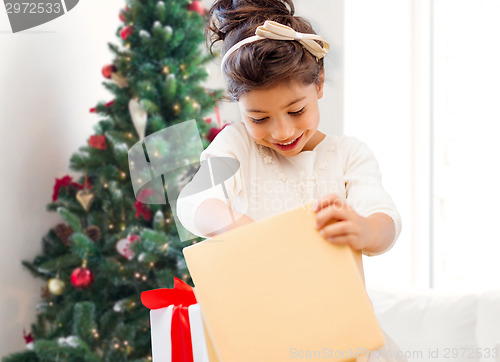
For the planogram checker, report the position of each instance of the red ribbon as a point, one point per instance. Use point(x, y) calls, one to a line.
point(64, 182)
point(181, 296)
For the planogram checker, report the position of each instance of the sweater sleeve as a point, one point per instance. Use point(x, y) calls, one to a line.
point(224, 145)
point(363, 182)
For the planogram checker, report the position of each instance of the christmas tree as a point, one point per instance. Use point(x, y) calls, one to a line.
point(109, 247)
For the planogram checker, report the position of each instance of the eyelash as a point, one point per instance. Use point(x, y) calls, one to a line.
point(295, 114)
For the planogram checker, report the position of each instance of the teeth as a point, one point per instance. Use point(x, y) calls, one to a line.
point(284, 144)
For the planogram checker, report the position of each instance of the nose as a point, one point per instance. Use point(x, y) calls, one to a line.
point(283, 130)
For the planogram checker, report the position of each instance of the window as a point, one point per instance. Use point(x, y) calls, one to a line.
point(422, 89)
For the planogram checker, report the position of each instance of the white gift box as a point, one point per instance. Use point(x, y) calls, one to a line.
point(161, 323)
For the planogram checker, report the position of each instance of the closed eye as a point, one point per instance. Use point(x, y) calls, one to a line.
point(298, 112)
point(257, 120)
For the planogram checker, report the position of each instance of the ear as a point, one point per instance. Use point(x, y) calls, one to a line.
point(321, 85)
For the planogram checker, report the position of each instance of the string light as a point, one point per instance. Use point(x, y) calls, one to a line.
point(110, 226)
point(187, 98)
point(196, 105)
point(166, 69)
point(177, 108)
point(144, 278)
point(123, 174)
point(185, 77)
point(151, 264)
point(105, 186)
point(137, 275)
point(130, 135)
point(117, 345)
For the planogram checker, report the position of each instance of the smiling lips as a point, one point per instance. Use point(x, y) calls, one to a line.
point(289, 145)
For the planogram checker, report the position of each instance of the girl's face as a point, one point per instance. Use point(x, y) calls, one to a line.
point(282, 114)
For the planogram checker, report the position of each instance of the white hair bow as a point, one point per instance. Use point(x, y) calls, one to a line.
point(273, 30)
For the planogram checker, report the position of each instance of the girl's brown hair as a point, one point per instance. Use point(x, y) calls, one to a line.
point(264, 63)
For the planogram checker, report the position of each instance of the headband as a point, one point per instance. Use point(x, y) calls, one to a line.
point(277, 31)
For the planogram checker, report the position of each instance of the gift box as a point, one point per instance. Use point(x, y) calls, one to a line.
point(276, 290)
point(177, 328)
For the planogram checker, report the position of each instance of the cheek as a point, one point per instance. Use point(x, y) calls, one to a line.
point(256, 131)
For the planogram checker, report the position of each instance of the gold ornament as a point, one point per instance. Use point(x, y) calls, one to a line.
point(56, 286)
point(183, 67)
point(166, 69)
point(85, 197)
point(119, 80)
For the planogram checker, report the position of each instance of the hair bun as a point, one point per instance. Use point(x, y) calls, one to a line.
point(227, 15)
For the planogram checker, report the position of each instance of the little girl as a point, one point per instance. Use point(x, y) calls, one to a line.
point(273, 66)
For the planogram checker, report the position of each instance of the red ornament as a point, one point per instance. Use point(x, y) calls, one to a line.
point(109, 104)
point(28, 338)
point(82, 278)
point(126, 10)
point(208, 120)
point(197, 6)
point(97, 141)
point(214, 131)
point(63, 182)
point(107, 70)
point(140, 208)
point(126, 32)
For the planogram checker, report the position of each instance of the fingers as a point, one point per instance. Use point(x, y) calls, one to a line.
point(336, 229)
point(341, 233)
point(330, 199)
point(331, 208)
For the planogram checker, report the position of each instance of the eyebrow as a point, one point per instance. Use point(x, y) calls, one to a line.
point(292, 102)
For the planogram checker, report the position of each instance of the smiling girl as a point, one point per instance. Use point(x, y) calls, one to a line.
point(273, 67)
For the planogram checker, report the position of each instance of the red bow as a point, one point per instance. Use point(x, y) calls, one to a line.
point(63, 182)
point(181, 296)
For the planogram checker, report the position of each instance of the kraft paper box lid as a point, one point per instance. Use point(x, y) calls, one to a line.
point(276, 288)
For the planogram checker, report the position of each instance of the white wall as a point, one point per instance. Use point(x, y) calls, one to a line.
point(50, 78)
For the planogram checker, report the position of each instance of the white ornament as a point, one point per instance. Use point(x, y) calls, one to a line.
point(144, 34)
point(30, 346)
point(70, 341)
point(141, 257)
point(156, 24)
point(123, 246)
point(118, 307)
point(169, 30)
point(139, 117)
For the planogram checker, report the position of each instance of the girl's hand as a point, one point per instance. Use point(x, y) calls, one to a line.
point(339, 223)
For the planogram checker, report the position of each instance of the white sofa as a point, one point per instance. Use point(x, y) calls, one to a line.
point(436, 326)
